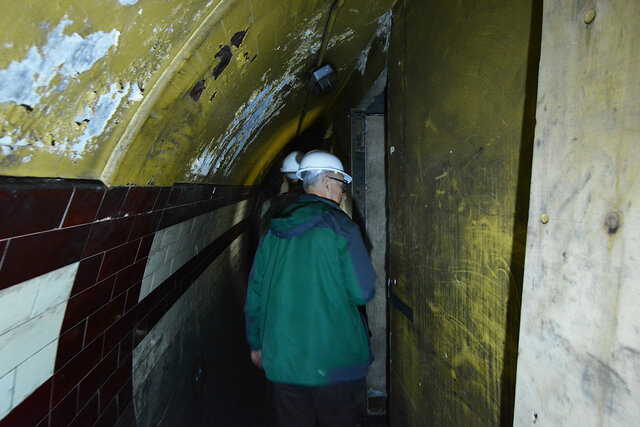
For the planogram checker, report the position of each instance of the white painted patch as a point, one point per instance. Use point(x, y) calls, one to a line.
point(25, 82)
point(99, 116)
point(127, 2)
point(136, 93)
point(249, 120)
point(347, 35)
point(7, 145)
point(31, 315)
point(383, 30)
point(361, 65)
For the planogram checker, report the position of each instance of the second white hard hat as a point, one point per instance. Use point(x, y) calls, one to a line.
point(291, 163)
point(322, 160)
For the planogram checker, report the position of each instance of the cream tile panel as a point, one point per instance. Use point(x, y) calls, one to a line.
point(6, 393)
point(34, 371)
point(16, 303)
point(31, 315)
point(22, 342)
point(176, 245)
point(29, 299)
point(19, 342)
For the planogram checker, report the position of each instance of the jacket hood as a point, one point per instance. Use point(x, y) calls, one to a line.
point(301, 216)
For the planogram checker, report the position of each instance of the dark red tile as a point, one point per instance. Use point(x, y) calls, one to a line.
point(52, 250)
point(119, 330)
point(192, 194)
point(66, 410)
point(87, 274)
point(84, 206)
point(126, 348)
point(118, 258)
point(107, 234)
point(23, 205)
point(115, 382)
point(133, 295)
point(162, 199)
point(3, 246)
point(112, 202)
point(145, 224)
point(129, 276)
point(86, 303)
point(90, 385)
point(127, 414)
point(174, 195)
point(45, 421)
point(145, 247)
point(140, 199)
point(70, 375)
point(104, 318)
point(87, 415)
point(32, 410)
point(125, 397)
point(172, 216)
point(108, 416)
point(141, 330)
point(70, 344)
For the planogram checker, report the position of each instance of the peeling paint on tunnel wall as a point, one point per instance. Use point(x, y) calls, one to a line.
point(153, 93)
point(457, 89)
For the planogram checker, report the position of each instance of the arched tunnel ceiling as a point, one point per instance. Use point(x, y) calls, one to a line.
point(156, 92)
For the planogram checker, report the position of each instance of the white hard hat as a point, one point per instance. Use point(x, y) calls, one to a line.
point(291, 163)
point(321, 160)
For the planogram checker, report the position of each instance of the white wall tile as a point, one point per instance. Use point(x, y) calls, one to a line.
point(22, 342)
point(174, 246)
point(34, 371)
point(54, 288)
point(6, 393)
point(31, 298)
point(16, 303)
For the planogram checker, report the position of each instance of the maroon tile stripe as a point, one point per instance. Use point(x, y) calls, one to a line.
point(110, 231)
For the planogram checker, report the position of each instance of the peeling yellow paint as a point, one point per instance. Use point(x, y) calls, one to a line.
point(154, 119)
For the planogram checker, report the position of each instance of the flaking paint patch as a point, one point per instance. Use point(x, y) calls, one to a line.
point(127, 2)
point(98, 116)
point(27, 81)
point(7, 145)
point(249, 120)
point(384, 30)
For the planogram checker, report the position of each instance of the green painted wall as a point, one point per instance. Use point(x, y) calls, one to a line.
point(461, 112)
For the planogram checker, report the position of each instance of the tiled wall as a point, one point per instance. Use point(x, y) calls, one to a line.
point(86, 273)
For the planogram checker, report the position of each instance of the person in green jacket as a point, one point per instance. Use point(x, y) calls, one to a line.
point(310, 273)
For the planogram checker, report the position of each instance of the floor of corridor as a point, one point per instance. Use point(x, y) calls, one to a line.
point(230, 391)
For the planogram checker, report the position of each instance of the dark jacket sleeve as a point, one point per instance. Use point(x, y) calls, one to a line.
point(359, 273)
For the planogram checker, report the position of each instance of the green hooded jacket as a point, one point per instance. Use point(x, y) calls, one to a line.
point(310, 273)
